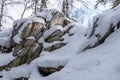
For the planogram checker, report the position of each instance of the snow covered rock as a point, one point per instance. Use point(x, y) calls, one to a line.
point(58, 19)
point(5, 40)
point(45, 71)
point(54, 47)
point(5, 37)
point(105, 24)
point(30, 35)
point(53, 34)
point(55, 50)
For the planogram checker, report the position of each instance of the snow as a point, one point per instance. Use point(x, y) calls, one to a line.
point(105, 21)
point(47, 13)
point(5, 37)
point(41, 40)
point(68, 26)
point(36, 46)
point(17, 38)
point(20, 71)
point(99, 63)
point(35, 75)
point(52, 30)
point(4, 41)
point(6, 32)
point(61, 56)
point(26, 21)
point(46, 45)
point(31, 38)
point(5, 58)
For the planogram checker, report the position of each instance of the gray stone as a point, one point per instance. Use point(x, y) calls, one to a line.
point(26, 31)
point(54, 47)
point(37, 27)
point(29, 42)
point(55, 36)
point(23, 52)
point(58, 19)
point(17, 48)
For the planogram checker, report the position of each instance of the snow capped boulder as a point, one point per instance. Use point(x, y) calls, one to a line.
point(58, 19)
point(104, 25)
point(34, 37)
point(53, 34)
point(5, 40)
point(30, 35)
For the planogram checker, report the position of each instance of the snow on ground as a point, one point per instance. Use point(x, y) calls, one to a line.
point(61, 56)
point(20, 71)
point(5, 58)
point(99, 63)
point(52, 59)
point(5, 37)
point(105, 21)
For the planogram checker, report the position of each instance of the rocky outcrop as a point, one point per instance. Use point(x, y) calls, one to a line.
point(104, 25)
point(30, 35)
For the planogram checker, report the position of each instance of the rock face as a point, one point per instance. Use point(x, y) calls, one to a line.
point(30, 35)
point(27, 47)
point(104, 25)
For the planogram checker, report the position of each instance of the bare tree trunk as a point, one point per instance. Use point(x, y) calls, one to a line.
point(43, 4)
point(1, 12)
point(25, 8)
point(65, 8)
point(35, 6)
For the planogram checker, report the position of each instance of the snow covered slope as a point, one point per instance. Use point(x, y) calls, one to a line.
point(99, 63)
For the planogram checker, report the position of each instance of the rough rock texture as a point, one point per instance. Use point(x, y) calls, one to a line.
point(100, 38)
point(58, 19)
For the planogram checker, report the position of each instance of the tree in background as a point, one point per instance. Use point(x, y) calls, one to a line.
point(3, 9)
point(65, 8)
point(2, 3)
point(26, 7)
point(43, 4)
point(38, 5)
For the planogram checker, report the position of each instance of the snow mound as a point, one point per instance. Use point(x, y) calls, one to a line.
point(100, 63)
point(105, 21)
point(5, 37)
